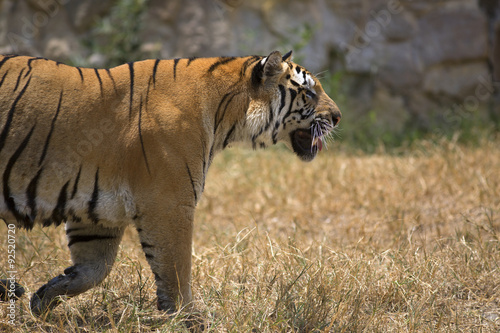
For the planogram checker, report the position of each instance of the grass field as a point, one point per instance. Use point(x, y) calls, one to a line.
point(351, 242)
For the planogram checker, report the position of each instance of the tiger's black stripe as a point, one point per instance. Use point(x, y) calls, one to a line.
point(275, 132)
point(155, 68)
point(6, 58)
point(81, 73)
point(96, 71)
point(9, 200)
point(228, 136)
point(192, 184)
point(86, 238)
point(52, 124)
point(221, 61)
point(75, 186)
point(149, 256)
point(3, 77)
point(293, 96)
point(145, 245)
point(10, 115)
point(249, 62)
point(18, 79)
point(70, 230)
point(141, 138)
point(219, 117)
point(176, 61)
point(30, 68)
point(287, 55)
point(31, 194)
point(190, 60)
point(93, 200)
point(111, 78)
point(131, 69)
point(257, 73)
point(59, 212)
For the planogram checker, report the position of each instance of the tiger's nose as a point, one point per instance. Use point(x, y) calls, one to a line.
point(336, 116)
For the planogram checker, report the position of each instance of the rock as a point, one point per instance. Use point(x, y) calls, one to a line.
point(452, 35)
point(82, 14)
point(399, 66)
point(390, 110)
point(401, 27)
point(455, 80)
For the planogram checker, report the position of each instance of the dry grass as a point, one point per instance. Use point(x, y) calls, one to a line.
point(348, 243)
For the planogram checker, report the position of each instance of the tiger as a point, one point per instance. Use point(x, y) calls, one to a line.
point(100, 149)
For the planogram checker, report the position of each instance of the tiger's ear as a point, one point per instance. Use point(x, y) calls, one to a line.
point(268, 70)
point(288, 56)
point(272, 66)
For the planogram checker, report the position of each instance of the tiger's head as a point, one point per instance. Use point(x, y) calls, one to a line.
point(289, 105)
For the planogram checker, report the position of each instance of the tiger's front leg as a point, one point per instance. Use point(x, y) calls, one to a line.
point(166, 240)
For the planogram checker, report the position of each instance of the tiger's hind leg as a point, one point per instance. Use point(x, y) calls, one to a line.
point(93, 251)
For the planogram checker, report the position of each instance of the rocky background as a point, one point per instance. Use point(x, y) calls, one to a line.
point(391, 64)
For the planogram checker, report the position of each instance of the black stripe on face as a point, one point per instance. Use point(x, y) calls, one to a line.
point(192, 184)
point(52, 124)
point(155, 68)
point(293, 95)
point(96, 71)
point(131, 69)
point(149, 256)
point(31, 195)
point(94, 199)
point(283, 97)
point(75, 186)
point(219, 62)
point(59, 212)
point(86, 238)
point(81, 73)
point(10, 115)
point(176, 61)
point(9, 201)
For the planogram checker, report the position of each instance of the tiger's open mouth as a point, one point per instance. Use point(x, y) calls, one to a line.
point(304, 145)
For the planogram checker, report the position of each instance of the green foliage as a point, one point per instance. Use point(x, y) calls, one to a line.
point(116, 36)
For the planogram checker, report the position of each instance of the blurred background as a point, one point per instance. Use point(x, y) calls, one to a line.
point(400, 70)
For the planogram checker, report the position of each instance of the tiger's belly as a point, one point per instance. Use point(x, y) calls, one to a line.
point(112, 208)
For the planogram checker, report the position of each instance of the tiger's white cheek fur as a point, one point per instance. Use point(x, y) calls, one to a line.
point(257, 116)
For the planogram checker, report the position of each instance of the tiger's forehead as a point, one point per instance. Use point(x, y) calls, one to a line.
point(301, 75)
point(298, 73)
